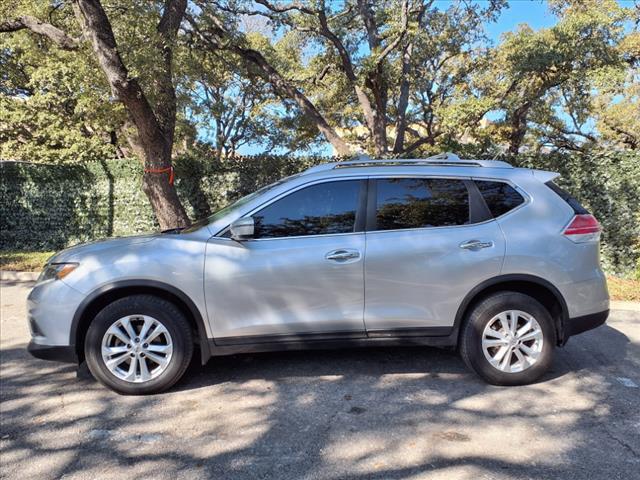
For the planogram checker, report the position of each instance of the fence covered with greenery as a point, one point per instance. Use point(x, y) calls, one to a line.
point(52, 206)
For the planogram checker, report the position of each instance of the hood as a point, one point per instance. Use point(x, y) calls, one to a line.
point(76, 252)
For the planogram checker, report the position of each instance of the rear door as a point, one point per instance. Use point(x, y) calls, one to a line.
point(429, 242)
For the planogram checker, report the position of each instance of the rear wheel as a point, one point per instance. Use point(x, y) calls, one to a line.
point(139, 344)
point(508, 339)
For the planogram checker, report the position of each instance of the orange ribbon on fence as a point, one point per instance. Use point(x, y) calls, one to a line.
point(168, 170)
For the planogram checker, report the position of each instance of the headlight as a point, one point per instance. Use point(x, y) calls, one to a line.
point(56, 271)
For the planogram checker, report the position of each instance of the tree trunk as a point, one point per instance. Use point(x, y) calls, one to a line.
point(403, 100)
point(518, 127)
point(373, 121)
point(154, 135)
point(379, 133)
point(164, 198)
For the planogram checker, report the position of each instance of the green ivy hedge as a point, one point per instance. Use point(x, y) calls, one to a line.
point(48, 207)
point(608, 185)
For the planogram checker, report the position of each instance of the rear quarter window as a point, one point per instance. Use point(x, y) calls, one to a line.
point(578, 209)
point(500, 197)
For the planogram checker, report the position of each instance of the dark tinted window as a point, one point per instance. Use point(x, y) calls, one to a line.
point(566, 196)
point(320, 209)
point(421, 202)
point(499, 196)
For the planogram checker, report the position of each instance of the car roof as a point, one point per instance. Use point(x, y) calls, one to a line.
point(444, 164)
point(447, 159)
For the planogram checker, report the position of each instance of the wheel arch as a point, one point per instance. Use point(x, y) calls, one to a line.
point(540, 289)
point(102, 296)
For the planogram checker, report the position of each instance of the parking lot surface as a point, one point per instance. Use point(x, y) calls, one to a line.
point(360, 414)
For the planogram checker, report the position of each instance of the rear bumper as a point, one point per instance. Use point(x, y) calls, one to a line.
point(58, 353)
point(576, 325)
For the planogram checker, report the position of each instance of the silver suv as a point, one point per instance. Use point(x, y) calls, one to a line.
point(494, 260)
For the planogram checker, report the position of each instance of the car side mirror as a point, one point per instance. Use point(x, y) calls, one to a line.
point(242, 228)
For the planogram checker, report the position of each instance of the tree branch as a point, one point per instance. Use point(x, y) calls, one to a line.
point(60, 38)
point(98, 29)
point(292, 6)
point(217, 38)
point(165, 106)
point(403, 30)
point(369, 24)
point(172, 15)
point(417, 143)
point(405, 85)
point(345, 58)
point(370, 115)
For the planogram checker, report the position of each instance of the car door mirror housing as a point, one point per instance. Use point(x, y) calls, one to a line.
point(242, 228)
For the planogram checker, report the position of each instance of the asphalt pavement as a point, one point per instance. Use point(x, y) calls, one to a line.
point(365, 413)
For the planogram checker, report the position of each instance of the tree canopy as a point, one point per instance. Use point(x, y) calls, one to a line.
point(87, 79)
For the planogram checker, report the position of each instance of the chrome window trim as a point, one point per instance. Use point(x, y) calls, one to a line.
point(323, 235)
point(377, 176)
point(431, 228)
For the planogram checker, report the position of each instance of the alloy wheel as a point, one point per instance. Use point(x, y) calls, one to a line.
point(137, 348)
point(512, 341)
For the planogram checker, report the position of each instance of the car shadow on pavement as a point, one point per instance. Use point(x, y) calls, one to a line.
point(361, 414)
point(428, 361)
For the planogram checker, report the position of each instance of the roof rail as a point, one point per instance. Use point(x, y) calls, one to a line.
point(445, 159)
point(444, 156)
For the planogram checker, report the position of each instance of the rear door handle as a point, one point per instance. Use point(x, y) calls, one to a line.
point(475, 244)
point(342, 255)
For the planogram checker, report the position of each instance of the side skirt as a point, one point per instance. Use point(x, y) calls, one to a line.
point(433, 337)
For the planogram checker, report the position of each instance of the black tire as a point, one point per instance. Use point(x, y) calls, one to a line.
point(478, 318)
point(163, 311)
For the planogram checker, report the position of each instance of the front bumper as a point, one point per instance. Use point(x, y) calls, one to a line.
point(577, 325)
point(51, 307)
point(58, 353)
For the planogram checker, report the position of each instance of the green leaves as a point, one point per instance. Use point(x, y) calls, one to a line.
point(571, 86)
point(54, 104)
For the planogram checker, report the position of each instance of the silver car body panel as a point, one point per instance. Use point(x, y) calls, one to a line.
point(417, 278)
point(401, 279)
point(537, 247)
point(284, 286)
point(176, 260)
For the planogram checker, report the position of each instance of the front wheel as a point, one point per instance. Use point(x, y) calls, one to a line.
point(508, 339)
point(138, 345)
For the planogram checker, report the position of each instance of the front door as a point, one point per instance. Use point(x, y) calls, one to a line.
point(301, 276)
point(427, 247)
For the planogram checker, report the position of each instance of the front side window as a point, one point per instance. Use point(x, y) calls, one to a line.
point(500, 197)
point(421, 202)
point(321, 209)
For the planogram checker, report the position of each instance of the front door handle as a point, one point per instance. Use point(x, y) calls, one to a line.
point(342, 255)
point(475, 244)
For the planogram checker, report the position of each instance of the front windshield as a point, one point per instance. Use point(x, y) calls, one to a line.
point(237, 204)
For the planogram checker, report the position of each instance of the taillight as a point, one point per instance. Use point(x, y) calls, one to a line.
point(583, 228)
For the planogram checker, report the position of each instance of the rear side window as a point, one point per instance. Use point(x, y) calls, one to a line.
point(322, 209)
point(566, 196)
point(500, 197)
point(420, 202)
